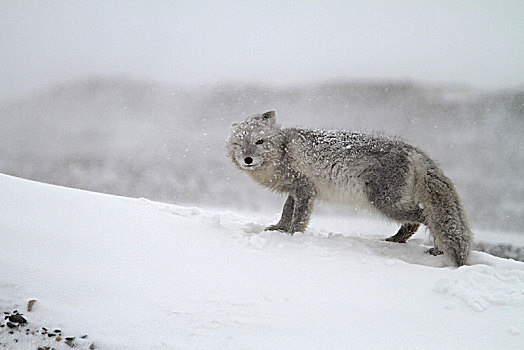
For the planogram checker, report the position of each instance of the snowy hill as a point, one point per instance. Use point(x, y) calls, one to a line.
point(136, 274)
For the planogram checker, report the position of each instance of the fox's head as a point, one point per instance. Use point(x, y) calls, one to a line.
point(252, 142)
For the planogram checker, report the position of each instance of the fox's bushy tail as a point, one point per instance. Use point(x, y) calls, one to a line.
point(445, 216)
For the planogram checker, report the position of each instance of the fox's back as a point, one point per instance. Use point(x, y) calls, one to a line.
point(342, 164)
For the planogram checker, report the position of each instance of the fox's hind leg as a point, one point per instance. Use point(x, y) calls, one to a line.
point(404, 233)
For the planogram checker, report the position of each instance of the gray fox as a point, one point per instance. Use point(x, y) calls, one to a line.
point(380, 173)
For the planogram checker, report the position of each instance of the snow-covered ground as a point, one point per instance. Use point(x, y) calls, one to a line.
point(136, 274)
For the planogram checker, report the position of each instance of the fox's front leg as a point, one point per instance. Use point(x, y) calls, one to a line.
point(304, 196)
point(284, 224)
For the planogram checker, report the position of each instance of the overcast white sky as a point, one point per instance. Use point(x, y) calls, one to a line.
point(479, 43)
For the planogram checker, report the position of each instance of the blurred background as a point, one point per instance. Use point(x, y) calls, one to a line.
point(136, 98)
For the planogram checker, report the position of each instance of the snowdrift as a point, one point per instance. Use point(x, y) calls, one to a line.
point(135, 274)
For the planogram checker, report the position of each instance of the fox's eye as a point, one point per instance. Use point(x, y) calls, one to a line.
point(259, 142)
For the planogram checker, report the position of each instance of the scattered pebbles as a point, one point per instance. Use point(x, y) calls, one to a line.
point(15, 329)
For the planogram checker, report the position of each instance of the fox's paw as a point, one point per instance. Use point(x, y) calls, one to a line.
point(434, 251)
point(396, 239)
point(277, 228)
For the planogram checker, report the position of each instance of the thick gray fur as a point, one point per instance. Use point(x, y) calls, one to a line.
point(380, 173)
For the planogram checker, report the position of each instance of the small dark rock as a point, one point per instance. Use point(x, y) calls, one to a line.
point(70, 338)
point(11, 325)
point(17, 318)
point(51, 335)
point(45, 329)
point(70, 343)
point(84, 336)
point(58, 331)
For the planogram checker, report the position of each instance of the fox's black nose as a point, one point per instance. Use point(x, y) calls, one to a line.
point(248, 160)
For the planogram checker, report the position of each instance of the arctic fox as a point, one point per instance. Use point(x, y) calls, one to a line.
point(380, 173)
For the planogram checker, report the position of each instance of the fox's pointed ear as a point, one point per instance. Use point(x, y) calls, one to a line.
point(270, 116)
